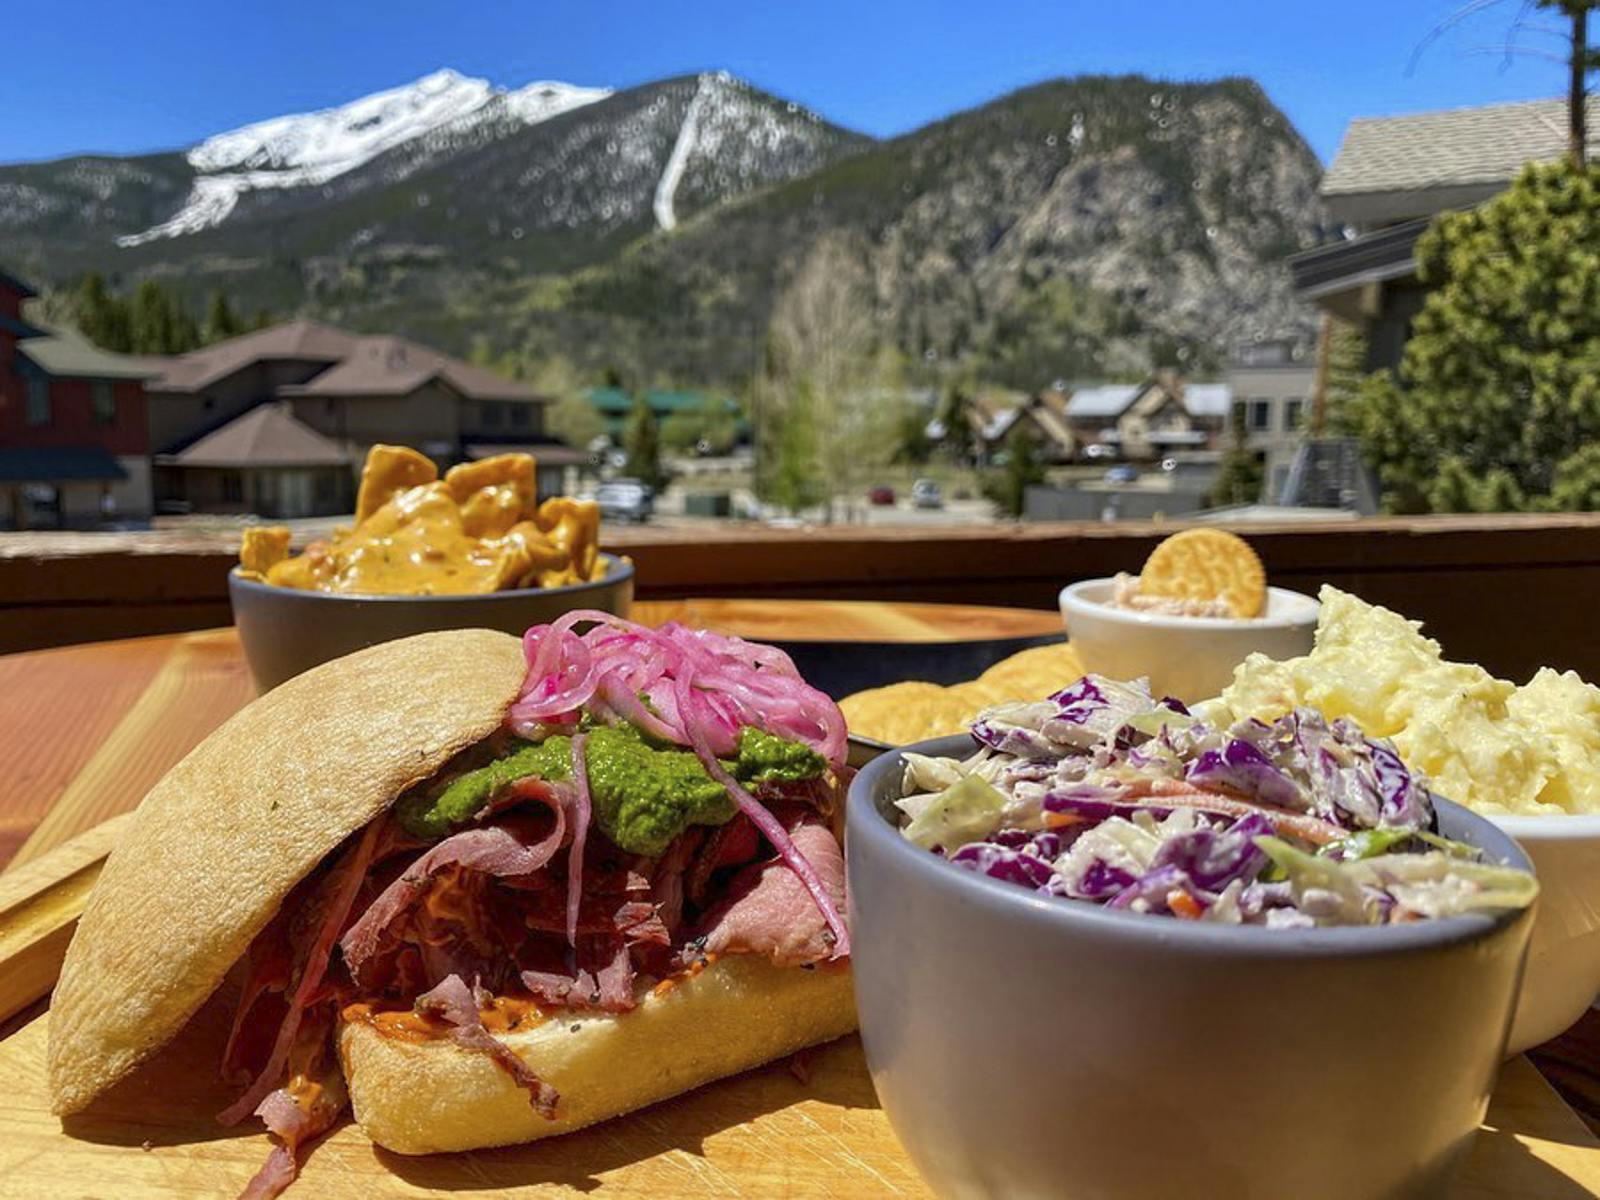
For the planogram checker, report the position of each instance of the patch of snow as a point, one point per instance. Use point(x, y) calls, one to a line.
point(545, 99)
point(672, 175)
point(328, 143)
point(309, 149)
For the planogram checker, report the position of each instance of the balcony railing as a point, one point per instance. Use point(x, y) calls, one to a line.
point(1512, 592)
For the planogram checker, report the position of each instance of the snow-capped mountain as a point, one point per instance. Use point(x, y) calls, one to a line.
point(308, 149)
point(547, 176)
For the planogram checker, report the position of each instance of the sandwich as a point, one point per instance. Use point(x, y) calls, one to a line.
point(480, 891)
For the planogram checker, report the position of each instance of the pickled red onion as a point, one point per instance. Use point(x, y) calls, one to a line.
point(580, 833)
point(627, 672)
point(690, 687)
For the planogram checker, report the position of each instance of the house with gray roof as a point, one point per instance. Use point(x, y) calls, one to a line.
point(1390, 178)
point(277, 421)
point(1151, 419)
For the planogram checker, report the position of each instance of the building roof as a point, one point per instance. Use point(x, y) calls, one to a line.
point(58, 464)
point(1107, 400)
point(1208, 399)
point(1460, 148)
point(66, 353)
point(357, 365)
point(12, 283)
point(266, 436)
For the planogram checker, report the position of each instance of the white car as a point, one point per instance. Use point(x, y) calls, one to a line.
point(625, 500)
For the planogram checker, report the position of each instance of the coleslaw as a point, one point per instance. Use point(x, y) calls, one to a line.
point(1104, 794)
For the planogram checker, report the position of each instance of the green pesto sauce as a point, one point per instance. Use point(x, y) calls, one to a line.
point(642, 794)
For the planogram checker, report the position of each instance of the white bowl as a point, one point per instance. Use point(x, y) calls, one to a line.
point(1191, 658)
point(1562, 976)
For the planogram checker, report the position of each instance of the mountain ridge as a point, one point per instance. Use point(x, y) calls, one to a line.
point(1103, 223)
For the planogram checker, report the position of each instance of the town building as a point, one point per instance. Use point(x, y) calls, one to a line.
point(1270, 386)
point(74, 445)
point(277, 422)
point(996, 416)
point(616, 406)
point(1389, 179)
point(1149, 420)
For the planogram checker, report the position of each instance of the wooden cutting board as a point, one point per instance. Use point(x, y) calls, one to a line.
point(765, 1133)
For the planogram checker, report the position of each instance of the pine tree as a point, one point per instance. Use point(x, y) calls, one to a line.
point(1499, 385)
point(1020, 468)
point(150, 319)
point(1239, 475)
point(221, 324)
point(641, 442)
point(158, 322)
point(102, 317)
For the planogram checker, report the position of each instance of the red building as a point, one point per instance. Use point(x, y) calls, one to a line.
point(74, 425)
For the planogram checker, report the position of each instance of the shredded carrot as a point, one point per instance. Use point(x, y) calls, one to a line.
point(1184, 905)
point(1178, 793)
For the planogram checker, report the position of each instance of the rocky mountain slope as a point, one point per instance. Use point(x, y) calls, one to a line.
point(1072, 228)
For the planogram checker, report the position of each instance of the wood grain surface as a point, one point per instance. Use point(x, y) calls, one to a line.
point(761, 1134)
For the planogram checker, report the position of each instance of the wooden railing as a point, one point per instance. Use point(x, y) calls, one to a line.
point(1512, 592)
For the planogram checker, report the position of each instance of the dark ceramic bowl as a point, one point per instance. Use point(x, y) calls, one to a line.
point(1025, 1046)
point(286, 630)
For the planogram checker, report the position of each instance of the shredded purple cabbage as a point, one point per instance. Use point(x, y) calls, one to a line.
point(1104, 794)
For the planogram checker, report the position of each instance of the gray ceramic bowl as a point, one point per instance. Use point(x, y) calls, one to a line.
point(286, 631)
point(1024, 1046)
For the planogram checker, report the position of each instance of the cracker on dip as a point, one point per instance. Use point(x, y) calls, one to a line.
point(1200, 565)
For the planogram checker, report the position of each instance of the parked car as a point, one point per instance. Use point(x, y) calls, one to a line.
point(926, 493)
point(1122, 473)
point(881, 494)
point(625, 500)
point(1097, 450)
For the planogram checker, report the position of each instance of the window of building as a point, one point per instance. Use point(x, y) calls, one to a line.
point(1260, 415)
point(519, 415)
point(103, 401)
point(37, 410)
point(1293, 409)
point(493, 415)
point(233, 487)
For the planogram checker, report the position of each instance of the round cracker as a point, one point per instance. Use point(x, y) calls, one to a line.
point(1207, 564)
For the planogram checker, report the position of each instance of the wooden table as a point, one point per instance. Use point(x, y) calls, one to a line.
point(85, 731)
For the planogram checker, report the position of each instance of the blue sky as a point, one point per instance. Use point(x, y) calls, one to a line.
point(113, 76)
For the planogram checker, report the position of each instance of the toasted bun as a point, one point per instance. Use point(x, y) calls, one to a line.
point(219, 842)
point(424, 1097)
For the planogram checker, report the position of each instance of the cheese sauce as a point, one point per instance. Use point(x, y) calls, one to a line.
point(479, 529)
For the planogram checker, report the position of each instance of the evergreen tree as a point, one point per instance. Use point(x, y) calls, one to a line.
point(1499, 386)
point(1020, 468)
point(1239, 475)
point(158, 323)
point(221, 324)
point(641, 442)
point(102, 317)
